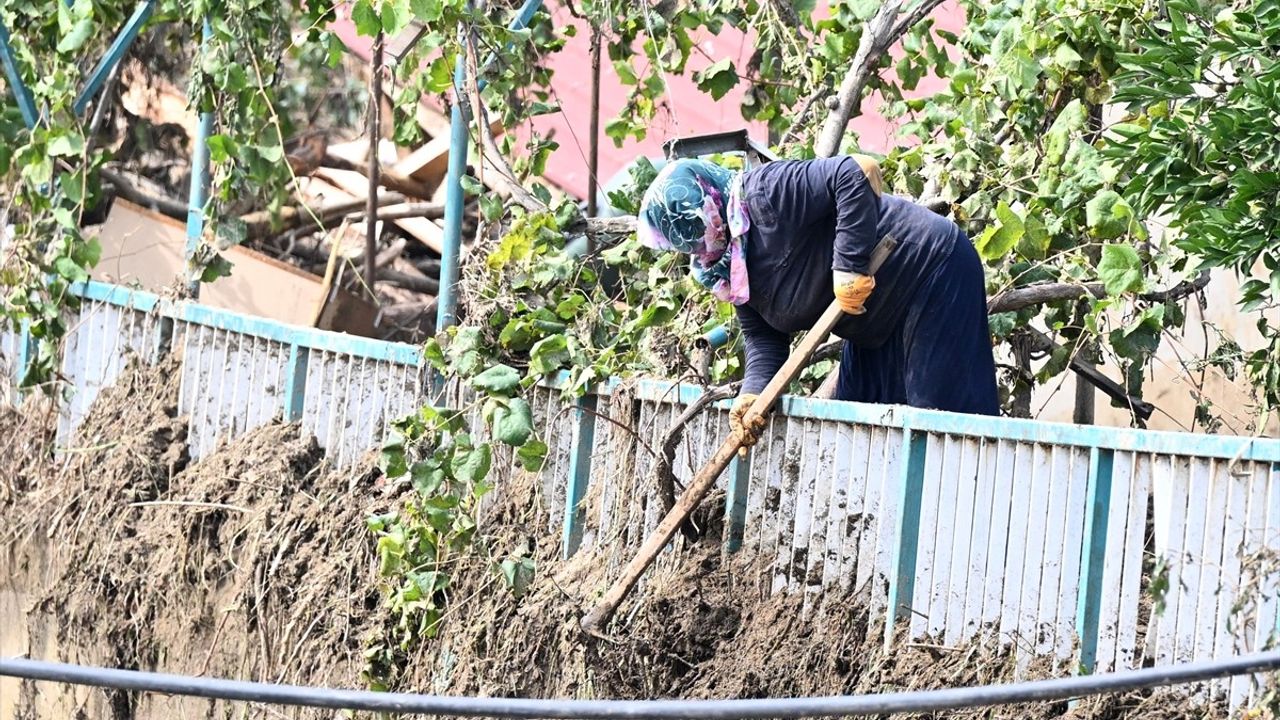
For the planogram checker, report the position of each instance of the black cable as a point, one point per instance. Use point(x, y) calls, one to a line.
point(916, 701)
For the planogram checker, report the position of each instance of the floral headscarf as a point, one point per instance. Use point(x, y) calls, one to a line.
point(695, 207)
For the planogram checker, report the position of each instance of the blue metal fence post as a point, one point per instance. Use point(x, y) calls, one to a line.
point(199, 195)
point(26, 349)
point(114, 54)
point(584, 438)
point(1093, 554)
point(447, 304)
point(447, 309)
point(295, 382)
point(26, 103)
point(735, 503)
point(902, 581)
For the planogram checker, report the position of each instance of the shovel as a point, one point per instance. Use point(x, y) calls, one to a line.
point(594, 621)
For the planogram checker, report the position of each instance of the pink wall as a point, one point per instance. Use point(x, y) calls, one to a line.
point(685, 110)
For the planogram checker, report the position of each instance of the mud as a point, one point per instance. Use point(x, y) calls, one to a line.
point(255, 564)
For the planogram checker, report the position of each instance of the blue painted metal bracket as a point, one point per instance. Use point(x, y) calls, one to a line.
point(902, 580)
point(26, 350)
point(1093, 555)
point(295, 388)
point(735, 503)
point(114, 54)
point(26, 103)
point(584, 432)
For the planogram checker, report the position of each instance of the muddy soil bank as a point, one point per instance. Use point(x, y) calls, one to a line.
point(255, 564)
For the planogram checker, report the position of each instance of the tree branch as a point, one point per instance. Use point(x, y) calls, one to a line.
point(126, 189)
point(879, 33)
point(1016, 299)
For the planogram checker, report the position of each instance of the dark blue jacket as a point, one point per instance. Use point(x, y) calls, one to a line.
point(809, 217)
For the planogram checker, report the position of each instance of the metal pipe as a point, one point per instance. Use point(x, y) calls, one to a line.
point(916, 701)
point(26, 103)
point(114, 55)
point(447, 307)
point(716, 337)
point(199, 195)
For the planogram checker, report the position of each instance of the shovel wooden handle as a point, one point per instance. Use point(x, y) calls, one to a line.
point(702, 483)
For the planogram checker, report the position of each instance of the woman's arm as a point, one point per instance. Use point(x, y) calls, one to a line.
point(857, 208)
point(766, 350)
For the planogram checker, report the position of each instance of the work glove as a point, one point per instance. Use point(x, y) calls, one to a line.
point(746, 432)
point(852, 290)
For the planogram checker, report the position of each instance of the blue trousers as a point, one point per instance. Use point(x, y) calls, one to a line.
point(940, 355)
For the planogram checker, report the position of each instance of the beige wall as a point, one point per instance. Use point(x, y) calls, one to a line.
point(1170, 387)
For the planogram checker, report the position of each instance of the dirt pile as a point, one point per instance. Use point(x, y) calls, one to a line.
point(253, 563)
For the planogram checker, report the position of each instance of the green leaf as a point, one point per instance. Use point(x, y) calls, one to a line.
point(717, 79)
point(395, 16)
point(518, 574)
point(996, 242)
point(625, 74)
point(1109, 215)
point(88, 253)
point(428, 11)
point(532, 455)
point(427, 476)
point(79, 35)
point(66, 145)
point(1067, 57)
point(548, 355)
point(1120, 269)
point(498, 380)
point(513, 423)
point(271, 153)
point(67, 268)
point(471, 465)
point(1056, 141)
point(440, 75)
point(215, 268)
point(366, 18)
point(1034, 244)
point(221, 148)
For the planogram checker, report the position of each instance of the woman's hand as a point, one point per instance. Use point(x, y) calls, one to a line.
point(747, 432)
point(852, 290)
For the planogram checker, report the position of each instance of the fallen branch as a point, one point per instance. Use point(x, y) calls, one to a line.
point(409, 281)
point(387, 178)
point(127, 189)
point(879, 33)
point(260, 223)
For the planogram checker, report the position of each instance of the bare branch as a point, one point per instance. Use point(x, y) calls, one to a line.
point(126, 188)
point(879, 33)
point(1016, 299)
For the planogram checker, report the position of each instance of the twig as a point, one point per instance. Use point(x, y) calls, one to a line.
point(188, 503)
point(666, 479)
